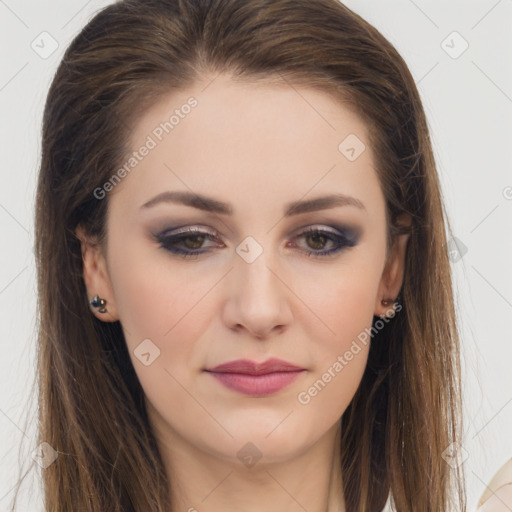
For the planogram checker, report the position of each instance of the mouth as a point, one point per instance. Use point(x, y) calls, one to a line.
point(256, 379)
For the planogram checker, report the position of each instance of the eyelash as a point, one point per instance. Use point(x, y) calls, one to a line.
point(168, 241)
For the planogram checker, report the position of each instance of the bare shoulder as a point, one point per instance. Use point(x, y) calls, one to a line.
point(498, 495)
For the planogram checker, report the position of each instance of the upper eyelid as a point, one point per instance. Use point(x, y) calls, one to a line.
point(199, 229)
point(194, 229)
point(319, 227)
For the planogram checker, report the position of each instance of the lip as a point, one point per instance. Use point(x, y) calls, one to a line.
point(256, 379)
point(248, 367)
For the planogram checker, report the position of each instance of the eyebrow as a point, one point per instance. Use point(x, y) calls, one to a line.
point(209, 204)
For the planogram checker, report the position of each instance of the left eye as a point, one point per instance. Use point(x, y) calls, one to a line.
point(318, 238)
point(192, 239)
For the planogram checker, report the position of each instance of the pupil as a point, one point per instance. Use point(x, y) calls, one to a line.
point(316, 237)
point(196, 246)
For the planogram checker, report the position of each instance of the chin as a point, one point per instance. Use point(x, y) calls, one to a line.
point(257, 443)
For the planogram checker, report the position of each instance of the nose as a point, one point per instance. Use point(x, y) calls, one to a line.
point(259, 297)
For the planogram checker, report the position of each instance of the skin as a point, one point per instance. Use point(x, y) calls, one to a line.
point(258, 147)
point(497, 496)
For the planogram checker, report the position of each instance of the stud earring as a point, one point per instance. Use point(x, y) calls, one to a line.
point(98, 303)
point(387, 302)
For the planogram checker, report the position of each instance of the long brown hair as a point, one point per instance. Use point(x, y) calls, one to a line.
point(406, 411)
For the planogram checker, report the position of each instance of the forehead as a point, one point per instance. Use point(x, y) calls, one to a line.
point(283, 111)
point(262, 140)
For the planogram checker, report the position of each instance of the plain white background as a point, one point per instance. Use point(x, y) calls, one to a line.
point(468, 100)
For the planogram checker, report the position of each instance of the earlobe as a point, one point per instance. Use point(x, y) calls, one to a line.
point(96, 278)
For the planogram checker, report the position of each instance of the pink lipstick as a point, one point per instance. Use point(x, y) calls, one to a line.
point(256, 379)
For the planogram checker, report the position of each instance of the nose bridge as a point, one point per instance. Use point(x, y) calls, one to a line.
point(254, 267)
point(258, 297)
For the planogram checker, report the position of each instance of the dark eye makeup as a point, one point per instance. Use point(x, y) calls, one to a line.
point(187, 242)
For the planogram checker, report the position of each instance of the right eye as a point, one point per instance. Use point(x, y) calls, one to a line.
point(185, 242)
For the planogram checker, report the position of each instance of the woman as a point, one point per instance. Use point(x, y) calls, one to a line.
point(244, 287)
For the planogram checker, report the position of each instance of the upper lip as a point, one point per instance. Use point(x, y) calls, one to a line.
point(249, 367)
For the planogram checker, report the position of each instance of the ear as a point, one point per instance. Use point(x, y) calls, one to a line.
point(393, 273)
point(96, 278)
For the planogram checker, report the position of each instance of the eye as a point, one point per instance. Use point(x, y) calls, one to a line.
point(188, 242)
point(185, 242)
point(317, 239)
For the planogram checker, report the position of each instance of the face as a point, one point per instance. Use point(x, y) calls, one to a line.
point(266, 273)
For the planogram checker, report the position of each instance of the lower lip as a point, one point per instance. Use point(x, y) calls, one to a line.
point(256, 385)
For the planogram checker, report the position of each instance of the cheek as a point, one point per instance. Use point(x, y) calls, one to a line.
point(153, 294)
point(326, 396)
point(340, 353)
point(341, 304)
point(158, 302)
point(341, 330)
